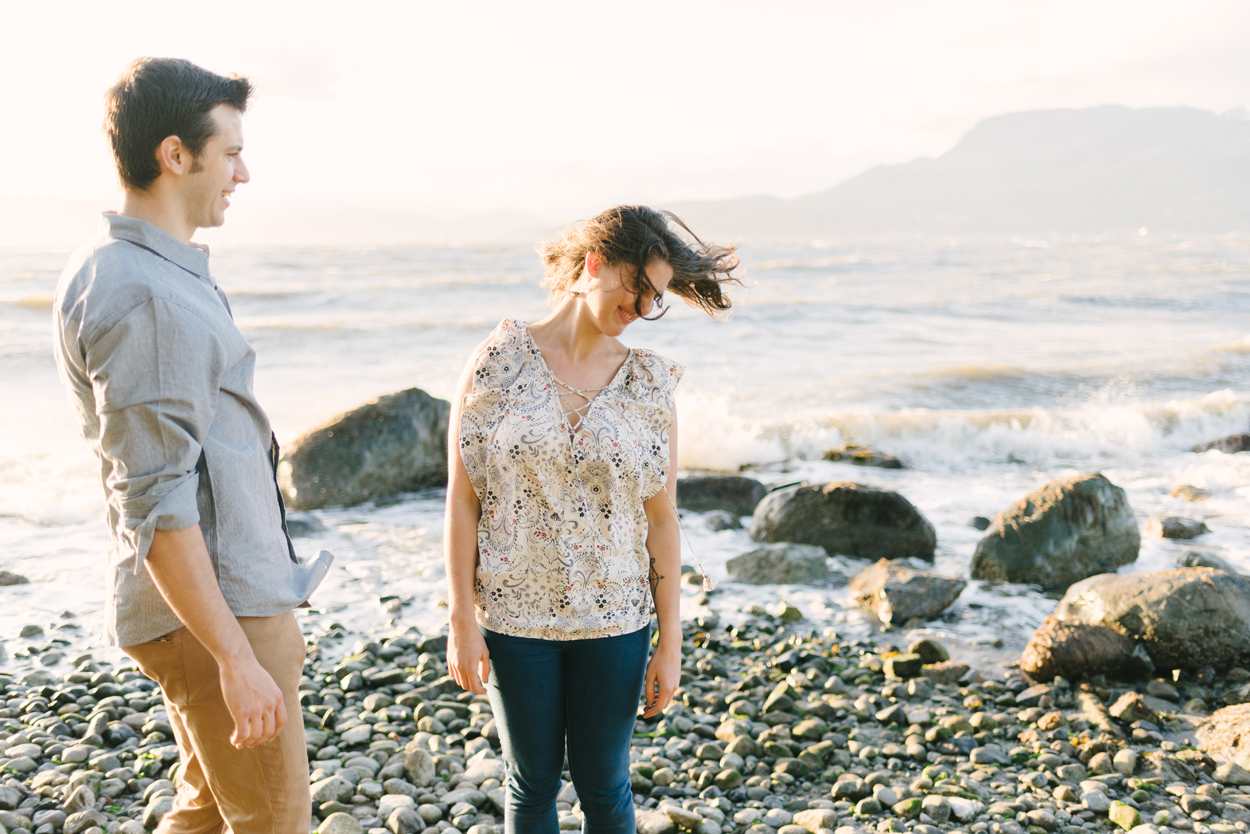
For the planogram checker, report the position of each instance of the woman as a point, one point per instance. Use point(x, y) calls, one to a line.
point(560, 514)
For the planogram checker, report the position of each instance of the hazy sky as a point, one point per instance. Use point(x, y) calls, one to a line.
point(558, 108)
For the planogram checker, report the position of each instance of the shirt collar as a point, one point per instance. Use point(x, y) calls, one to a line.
point(193, 257)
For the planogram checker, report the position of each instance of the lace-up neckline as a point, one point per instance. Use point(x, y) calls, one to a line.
point(563, 389)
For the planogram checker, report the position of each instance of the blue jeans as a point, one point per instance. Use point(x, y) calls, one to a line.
point(544, 690)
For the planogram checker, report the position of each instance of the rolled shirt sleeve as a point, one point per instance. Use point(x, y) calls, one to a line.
point(156, 376)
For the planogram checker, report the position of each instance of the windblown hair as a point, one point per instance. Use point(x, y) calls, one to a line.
point(160, 97)
point(632, 236)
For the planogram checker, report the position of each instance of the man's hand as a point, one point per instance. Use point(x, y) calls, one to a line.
point(180, 567)
point(663, 676)
point(468, 657)
point(255, 703)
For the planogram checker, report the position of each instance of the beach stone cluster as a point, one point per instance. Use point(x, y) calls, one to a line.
point(778, 728)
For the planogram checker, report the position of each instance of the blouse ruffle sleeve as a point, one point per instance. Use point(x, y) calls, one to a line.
point(650, 408)
point(496, 369)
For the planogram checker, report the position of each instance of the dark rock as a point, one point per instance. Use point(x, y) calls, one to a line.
point(1176, 527)
point(300, 524)
point(733, 493)
point(721, 520)
point(1202, 559)
point(897, 593)
point(902, 665)
point(1229, 445)
point(948, 671)
point(930, 651)
point(780, 564)
point(846, 518)
point(1064, 532)
point(395, 444)
point(1185, 619)
point(1073, 649)
point(979, 522)
point(7, 578)
point(863, 456)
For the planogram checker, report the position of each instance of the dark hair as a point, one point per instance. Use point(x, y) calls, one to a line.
point(160, 97)
point(632, 236)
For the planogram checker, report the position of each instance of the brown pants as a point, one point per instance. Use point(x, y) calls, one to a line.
point(260, 790)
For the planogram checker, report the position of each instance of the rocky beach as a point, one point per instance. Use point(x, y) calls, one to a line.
point(977, 511)
point(1122, 713)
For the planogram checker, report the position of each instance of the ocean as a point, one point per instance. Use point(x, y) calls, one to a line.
point(990, 366)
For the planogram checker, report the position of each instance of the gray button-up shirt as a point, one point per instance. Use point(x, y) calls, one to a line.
point(162, 381)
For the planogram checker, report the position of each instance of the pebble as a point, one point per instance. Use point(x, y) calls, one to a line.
point(780, 728)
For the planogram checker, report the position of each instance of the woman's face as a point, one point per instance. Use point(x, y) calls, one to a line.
point(609, 295)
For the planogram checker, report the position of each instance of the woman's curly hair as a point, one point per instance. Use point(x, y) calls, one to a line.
point(632, 236)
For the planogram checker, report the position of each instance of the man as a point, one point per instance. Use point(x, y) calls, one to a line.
point(203, 578)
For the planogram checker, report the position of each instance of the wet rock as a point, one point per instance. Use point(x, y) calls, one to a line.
point(897, 593)
point(979, 522)
point(1072, 649)
point(1189, 492)
point(395, 444)
point(948, 671)
point(930, 651)
point(303, 524)
point(846, 518)
point(7, 578)
point(1202, 559)
point(1228, 445)
point(730, 493)
point(780, 564)
point(1176, 527)
point(902, 666)
point(718, 520)
point(1184, 619)
point(30, 631)
point(863, 456)
point(1068, 530)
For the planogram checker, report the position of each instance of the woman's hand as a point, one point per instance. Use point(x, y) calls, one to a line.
point(663, 677)
point(467, 656)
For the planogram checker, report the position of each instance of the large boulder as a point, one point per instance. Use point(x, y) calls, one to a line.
point(1074, 649)
point(780, 564)
point(847, 518)
point(1185, 619)
point(731, 493)
point(395, 444)
point(1067, 530)
point(897, 593)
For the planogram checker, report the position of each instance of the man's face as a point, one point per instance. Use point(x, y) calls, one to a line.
point(216, 171)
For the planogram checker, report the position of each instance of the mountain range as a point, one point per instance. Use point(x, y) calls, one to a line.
point(1089, 171)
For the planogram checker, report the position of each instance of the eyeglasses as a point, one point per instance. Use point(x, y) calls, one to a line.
point(658, 304)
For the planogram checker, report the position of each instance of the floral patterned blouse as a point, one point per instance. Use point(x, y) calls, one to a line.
point(562, 538)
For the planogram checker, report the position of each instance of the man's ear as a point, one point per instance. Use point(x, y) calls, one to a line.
point(173, 156)
point(592, 264)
